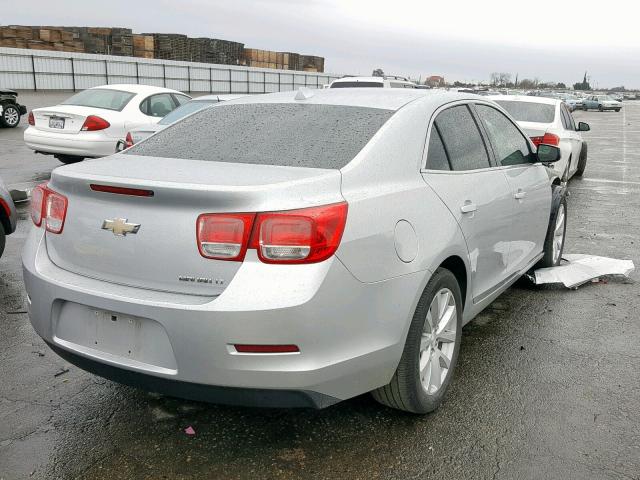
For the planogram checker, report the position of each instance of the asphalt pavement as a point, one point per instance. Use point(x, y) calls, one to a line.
point(547, 385)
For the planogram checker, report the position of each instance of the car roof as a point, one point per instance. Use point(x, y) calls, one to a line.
point(527, 98)
point(383, 98)
point(135, 88)
point(359, 79)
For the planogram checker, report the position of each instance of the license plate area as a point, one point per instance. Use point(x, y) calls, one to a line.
point(56, 122)
point(128, 340)
point(116, 333)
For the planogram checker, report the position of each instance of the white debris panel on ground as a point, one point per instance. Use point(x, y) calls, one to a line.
point(580, 269)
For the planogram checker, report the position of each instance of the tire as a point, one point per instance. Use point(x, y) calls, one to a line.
point(617, 109)
point(3, 239)
point(67, 159)
point(554, 244)
point(582, 161)
point(406, 391)
point(10, 117)
point(600, 109)
point(585, 108)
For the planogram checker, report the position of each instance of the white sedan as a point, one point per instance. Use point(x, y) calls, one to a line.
point(548, 121)
point(90, 123)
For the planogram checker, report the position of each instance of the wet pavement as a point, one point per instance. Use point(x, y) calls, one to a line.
point(547, 385)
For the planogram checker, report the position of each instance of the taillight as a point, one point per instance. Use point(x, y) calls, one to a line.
point(37, 203)
point(547, 139)
point(308, 235)
point(223, 236)
point(31, 119)
point(48, 206)
point(128, 140)
point(55, 211)
point(93, 123)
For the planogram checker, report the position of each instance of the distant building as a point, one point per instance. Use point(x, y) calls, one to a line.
point(435, 81)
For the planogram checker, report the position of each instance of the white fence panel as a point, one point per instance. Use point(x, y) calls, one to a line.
point(53, 70)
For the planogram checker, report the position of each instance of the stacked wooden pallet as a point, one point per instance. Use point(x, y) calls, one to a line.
point(41, 38)
point(311, 63)
point(143, 46)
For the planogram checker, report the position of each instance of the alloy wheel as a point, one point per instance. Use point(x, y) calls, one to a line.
point(437, 343)
point(11, 116)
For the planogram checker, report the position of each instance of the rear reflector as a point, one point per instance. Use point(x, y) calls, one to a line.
point(546, 139)
point(267, 348)
point(224, 236)
point(136, 192)
point(93, 123)
point(31, 119)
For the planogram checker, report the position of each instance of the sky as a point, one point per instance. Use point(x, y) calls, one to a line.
point(459, 39)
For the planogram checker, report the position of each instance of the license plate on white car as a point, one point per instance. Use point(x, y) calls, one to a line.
point(55, 122)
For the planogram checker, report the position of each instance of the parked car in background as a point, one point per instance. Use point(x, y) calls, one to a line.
point(150, 276)
point(573, 103)
point(10, 109)
point(618, 97)
point(8, 216)
point(547, 121)
point(90, 123)
point(196, 104)
point(374, 82)
point(601, 102)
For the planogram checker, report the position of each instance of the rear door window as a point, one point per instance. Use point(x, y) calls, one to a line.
point(510, 146)
point(462, 139)
point(158, 105)
point(436, 154)
point(286, 134)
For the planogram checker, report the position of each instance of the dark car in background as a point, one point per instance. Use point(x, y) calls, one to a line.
point(10, 109)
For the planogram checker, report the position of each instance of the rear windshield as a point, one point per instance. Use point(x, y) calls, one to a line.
point(285, 134)
point(356, 84)
point(184, 110)
point(101, 98)
point(529, 111)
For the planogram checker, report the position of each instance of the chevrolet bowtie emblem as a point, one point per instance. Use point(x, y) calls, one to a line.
point(120, 227)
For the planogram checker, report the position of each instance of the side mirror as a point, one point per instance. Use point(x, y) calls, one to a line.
point(583, 127)
point(120, 145)
point(548, 153)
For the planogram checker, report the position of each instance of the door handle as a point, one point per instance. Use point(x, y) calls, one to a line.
point(468, 207)
point(520, 194)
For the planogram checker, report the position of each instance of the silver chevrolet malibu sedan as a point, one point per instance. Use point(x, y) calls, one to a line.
point(293, 249)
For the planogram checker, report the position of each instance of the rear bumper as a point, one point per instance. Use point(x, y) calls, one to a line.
point(83, 144)
point(246, 397)
point(350, 334)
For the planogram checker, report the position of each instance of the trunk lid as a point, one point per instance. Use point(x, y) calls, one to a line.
point(534, 129)
point(67, 119)
point(163, 254)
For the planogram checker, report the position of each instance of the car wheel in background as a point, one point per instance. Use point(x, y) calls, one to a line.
point(554, 241)
point(431, 350)
point(582, 162)
point(585, 108)
point(67, 159)
point(617, 109)
point(600, 109)
point(10, 117)
point(3, 239)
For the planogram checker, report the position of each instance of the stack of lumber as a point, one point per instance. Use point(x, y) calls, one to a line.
point(143, 46)
point(40, 38)
point(311, 63)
